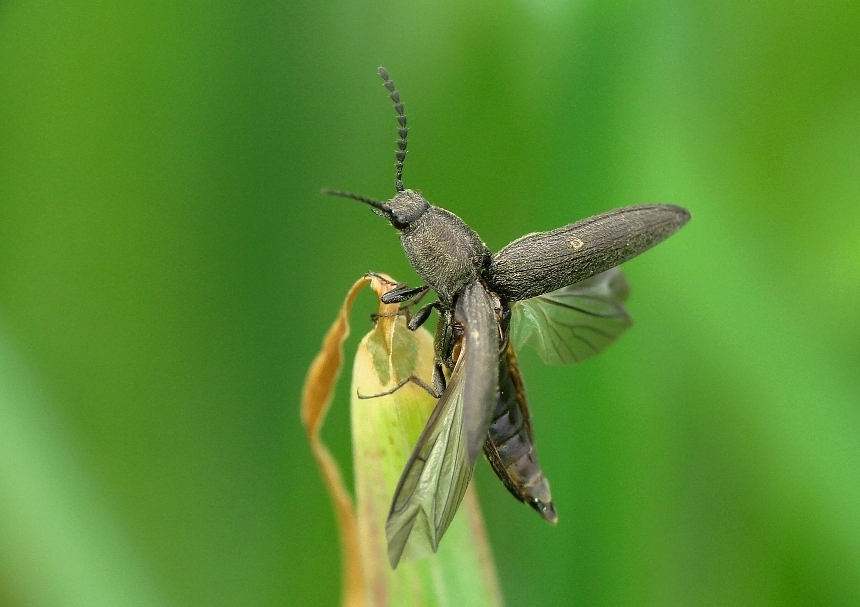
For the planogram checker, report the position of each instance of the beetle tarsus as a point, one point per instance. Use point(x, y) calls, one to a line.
point(381, 277)
point(377, 315)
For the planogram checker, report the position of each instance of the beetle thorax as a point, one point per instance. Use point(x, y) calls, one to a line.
point(445, 252)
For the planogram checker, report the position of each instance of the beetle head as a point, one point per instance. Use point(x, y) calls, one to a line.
point(402, 210)
point(405, 208)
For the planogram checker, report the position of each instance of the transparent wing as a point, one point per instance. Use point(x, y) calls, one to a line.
point(440, 467)
point(433, 482)
point(576, 322)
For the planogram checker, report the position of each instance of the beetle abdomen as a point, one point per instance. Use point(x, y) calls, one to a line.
point(510, 443)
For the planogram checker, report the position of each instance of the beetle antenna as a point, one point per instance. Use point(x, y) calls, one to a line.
point(402, 131)
point(374, 203)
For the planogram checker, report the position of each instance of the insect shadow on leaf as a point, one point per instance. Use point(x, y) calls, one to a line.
point(560, 292)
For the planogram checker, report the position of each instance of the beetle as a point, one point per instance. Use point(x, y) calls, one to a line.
point(559, 291)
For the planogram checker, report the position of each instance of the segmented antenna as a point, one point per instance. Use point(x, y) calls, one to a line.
point(374, 203)
point(400, 154)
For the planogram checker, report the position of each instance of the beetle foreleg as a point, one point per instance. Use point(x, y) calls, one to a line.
point(404, 292)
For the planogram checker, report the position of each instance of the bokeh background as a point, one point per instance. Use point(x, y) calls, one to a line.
point(168, 268)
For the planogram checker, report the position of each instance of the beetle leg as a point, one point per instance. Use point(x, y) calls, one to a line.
point(433, 391)
point(415, 300)
point(414, 320)
point(404, 292)
point(438, 379)
point(376, 315)
point(421, 316)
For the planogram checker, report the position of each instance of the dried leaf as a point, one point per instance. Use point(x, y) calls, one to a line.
point(316, 398)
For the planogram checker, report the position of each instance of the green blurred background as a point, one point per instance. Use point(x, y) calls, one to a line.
point(168, 268)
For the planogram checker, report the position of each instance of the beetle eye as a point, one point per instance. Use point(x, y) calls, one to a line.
point(399, 222)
